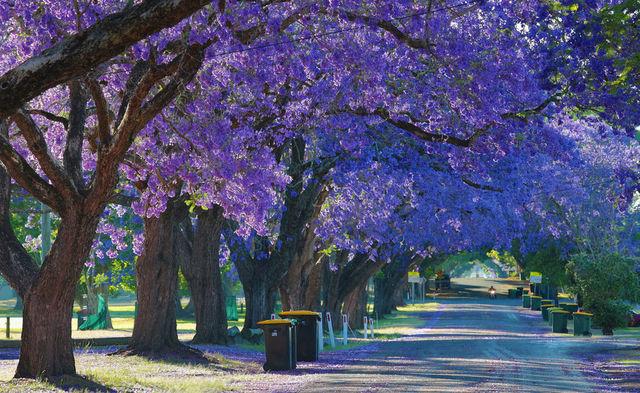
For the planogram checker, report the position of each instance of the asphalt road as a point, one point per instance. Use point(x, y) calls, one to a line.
point(475, 344)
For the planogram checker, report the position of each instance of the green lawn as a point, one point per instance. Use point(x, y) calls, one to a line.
point(401, 322)
point(122, 318)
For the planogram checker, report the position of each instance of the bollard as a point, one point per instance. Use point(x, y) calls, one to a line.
point(345, 328)
point(371, 325)
point(366, 328)
point(332, 338)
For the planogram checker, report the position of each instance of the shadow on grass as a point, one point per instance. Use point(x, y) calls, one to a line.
point(65, 382)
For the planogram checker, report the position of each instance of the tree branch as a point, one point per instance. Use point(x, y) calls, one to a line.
point(72, 157)
point(102, 113)
point(50, 116)
point(78, 54)
point(16, 266)
point(38, 147)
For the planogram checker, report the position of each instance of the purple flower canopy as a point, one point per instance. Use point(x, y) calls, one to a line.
point(445, 129)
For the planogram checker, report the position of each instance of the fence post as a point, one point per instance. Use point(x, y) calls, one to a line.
point(332, 339)
point(345, 328)
point(366, 328)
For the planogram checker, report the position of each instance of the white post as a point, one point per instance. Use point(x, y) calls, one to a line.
point(320, 335)
point(332, 339)
point(345, 328)
point(366, 329)
point(371, 325)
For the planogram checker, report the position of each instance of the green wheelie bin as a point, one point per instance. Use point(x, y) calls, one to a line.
point(560, 318)
point(550, 314)
point(279, 344)
point(545, 311)
point(582, 323)
point(306, 333)
point(536, 302)
point(526, 301)
point(546, 301)
point(570, 308)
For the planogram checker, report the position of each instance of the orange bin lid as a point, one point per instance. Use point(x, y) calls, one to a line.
point(275, 322)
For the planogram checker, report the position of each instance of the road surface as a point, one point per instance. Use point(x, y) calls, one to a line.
point(474, 344)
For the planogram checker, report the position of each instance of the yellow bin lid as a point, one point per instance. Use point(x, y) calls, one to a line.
point(275, 322)
point(299, 313)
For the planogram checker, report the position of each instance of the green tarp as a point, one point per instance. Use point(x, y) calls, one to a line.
point(98, 320)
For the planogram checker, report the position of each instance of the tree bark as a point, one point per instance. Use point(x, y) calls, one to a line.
point(79, 53)
point(155, 332)
point(355, 306)
point(46, 346)
point(17, 267)
point(259, 275)
point(202, 271)
point(350, 275)
point(259, 298)
point(386, 284)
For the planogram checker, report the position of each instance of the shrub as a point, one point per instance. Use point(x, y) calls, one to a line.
point(605, 285)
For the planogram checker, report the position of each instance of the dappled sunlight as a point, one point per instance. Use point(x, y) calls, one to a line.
point(472, 345)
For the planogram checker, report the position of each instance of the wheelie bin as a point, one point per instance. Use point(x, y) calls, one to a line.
point(582, 323)
point(279, 344)
point(550, 314)
point(526, 301)
point(306, 333)
point(545, 311)
point(536, 302)
point(570, 308)
point(560, 318)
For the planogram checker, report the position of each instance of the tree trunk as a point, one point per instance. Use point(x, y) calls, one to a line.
point(259, 298)
point(383, 303)
point(300, 288)
point(355, 306)
point(46, 347)
point(202, 272)
point(154, 331)
point(349, 276)
point(259, 277)
point(398, 294)
point(385, 285)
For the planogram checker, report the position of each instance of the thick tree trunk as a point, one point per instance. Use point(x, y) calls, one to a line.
point(383, 302)
point(259, 277)
point(46, 347)
point(332, 299)
point(301, 283)
point(202, 271)
point(300, 288)
point(350, 275)
point(386, 284)
point(259, 298)
point(398, 294)
point(154, 331)
point(355, 306)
